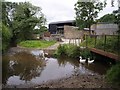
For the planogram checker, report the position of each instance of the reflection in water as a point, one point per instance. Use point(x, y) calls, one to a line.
point(22, 64)
point(97, 67)
point(27, 67)
point(64, 60)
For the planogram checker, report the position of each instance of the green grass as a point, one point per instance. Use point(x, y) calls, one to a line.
point(36, 43)
point(113, 74)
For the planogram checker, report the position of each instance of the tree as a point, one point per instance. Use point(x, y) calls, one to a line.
point(7, 13)
point(6, 36)
point(40, 30)
point(86, 12)
point(25, 20)
point(117, 13)
point(117, 19)
point(21, 18)
point(110, 18)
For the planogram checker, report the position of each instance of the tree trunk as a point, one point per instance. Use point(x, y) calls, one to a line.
point(13, 42)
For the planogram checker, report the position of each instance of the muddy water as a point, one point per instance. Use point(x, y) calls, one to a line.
point(27, 68)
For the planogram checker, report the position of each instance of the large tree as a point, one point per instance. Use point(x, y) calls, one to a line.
point(86, 12)
point(21, 18)
point(26, 18)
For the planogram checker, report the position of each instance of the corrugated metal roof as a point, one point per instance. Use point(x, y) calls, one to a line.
point(58, 22)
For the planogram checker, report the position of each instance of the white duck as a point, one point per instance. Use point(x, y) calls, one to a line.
point(82, 60)
point(90, 61)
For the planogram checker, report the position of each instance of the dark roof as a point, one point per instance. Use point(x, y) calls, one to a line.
point(58, 22)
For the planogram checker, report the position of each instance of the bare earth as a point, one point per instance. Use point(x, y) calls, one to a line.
point(79, 81)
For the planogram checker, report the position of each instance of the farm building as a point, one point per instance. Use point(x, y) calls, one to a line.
point(58, 27)
point(105, 28)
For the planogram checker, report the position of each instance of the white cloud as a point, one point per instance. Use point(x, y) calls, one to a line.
point(108, 9)
point(61, 10)
point(55, 10)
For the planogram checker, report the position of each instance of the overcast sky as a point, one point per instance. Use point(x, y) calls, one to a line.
point(61, 10)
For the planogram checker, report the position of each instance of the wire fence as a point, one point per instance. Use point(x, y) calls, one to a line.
point(109, 43)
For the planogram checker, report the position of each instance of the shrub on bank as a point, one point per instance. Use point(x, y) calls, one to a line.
point(73, 51)
point(68, 50)
point(113, 75)
point(61, 50)
point(85, 53)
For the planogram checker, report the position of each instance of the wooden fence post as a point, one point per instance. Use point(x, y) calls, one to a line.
point(104, 41)
point(95, 41)
point(86, 39)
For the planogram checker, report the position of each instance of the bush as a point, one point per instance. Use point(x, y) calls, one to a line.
point(73, 51)
point(61, 50)
point(69, 50)
point(85, 53)
point(6, 36)
point(113, 75)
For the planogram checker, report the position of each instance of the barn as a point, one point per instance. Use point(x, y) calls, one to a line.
point(58, 27)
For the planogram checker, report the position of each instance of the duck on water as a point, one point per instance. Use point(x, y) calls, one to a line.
point(86, 60)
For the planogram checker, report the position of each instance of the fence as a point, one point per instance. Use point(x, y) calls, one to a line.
point(110, 43)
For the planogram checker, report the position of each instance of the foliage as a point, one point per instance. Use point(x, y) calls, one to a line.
point(90, 42)
point(61, 50)
point(86, 12)
point(25, 20)
point(6, 36)
point(85, 53)
point(36, 43)
point(116, 13)
point(41, 30)
point(113, 75)
point(112, 44)
point(22, 18)
point(7, 17)
point(0, 38)
point(117, 18)
point(68, 50)
point(73, 51)
point(110, 18)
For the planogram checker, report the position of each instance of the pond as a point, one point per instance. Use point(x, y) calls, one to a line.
point(29, 68)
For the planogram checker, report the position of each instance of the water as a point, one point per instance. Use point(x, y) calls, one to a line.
point(29, 68)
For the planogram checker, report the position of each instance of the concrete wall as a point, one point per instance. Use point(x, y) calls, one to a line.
point(70, 32)
point(107, 29)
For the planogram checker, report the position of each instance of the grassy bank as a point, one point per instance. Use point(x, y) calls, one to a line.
point(36, 43)
point(113, 74)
